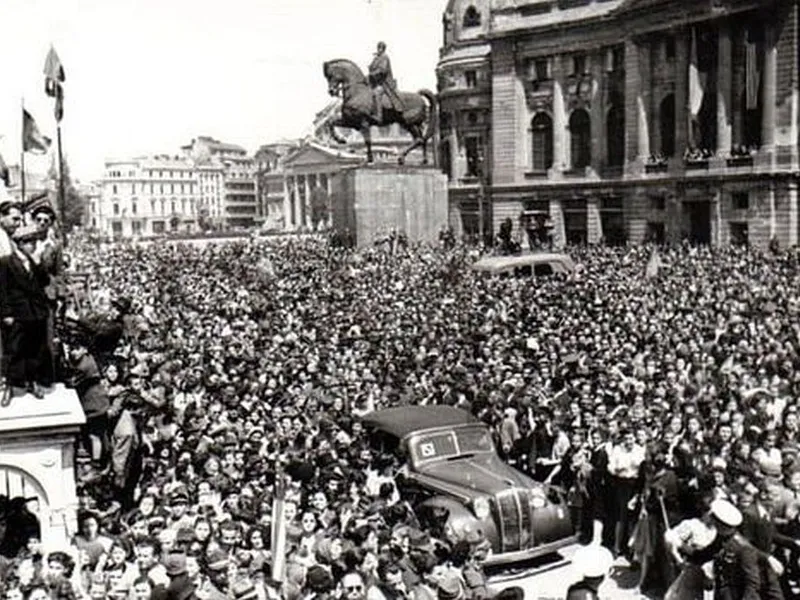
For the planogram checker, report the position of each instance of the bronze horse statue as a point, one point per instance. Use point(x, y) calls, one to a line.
point(418, 117)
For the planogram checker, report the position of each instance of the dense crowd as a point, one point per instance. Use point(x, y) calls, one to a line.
point(646, 398)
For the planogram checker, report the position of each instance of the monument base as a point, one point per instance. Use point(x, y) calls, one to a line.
point(370, 201)
point(37, 459)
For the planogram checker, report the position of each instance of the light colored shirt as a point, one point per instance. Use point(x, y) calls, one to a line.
point(625, 463)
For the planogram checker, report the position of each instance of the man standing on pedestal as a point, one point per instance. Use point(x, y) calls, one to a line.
point(24, 309)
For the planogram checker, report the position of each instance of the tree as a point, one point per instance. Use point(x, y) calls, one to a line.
point(74, 203)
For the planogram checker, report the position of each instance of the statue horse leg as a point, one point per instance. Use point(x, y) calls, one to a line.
point(418, 140)
point(367, 135)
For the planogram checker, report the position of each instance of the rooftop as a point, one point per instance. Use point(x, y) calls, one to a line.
point(510, 16)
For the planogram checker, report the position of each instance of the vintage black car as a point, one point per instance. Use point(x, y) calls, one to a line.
point(451, 468)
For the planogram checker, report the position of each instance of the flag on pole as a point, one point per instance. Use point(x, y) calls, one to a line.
point(32, 139)
point(4, 174)
point(696, 79)
point(653, 266)
point(53, 78)
point(752, 72)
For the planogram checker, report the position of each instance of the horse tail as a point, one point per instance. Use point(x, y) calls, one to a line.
point(433, 113)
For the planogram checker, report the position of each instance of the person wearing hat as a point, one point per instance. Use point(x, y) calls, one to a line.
point(592, 563)
point(24, 310)
point(735, 561)
point(178, 504)
point(180, 584)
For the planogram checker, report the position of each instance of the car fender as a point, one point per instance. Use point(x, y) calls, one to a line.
point(460, 518)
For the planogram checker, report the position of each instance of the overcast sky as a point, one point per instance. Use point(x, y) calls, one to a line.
point(145, 76)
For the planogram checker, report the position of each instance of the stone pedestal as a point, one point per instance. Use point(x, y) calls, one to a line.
point(370, 201)
point(37, 459)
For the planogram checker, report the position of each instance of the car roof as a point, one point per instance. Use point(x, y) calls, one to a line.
point(404, 420)
point(500, 263)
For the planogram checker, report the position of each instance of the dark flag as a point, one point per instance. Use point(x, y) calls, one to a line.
point(53, 80)
point(32, 139)
point(4, 174)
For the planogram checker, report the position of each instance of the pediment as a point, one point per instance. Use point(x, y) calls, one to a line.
point(312, 155)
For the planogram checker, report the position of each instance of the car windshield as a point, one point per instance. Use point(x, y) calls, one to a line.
point(451, 444)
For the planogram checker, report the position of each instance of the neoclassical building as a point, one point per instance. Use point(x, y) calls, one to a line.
point(623, 120)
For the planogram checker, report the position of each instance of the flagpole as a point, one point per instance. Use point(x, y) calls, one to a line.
point(61, 185)
point(22, 152)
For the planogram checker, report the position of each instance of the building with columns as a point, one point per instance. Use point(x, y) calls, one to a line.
point(623, 120)
point(308, 169)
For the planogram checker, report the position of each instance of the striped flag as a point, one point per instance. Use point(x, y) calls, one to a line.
point(752, 73)
point(696, 79)
point(279, 529)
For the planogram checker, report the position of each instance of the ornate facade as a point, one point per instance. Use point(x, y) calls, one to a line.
point(623, 120)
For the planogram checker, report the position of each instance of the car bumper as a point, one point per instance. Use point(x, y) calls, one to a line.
point(530, 553)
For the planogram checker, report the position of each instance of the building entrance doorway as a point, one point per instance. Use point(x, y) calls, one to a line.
point(698, 214)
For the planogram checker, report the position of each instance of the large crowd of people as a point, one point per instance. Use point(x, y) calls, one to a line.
point(664, 404)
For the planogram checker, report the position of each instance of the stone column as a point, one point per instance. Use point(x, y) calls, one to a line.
point(287, 207)
point(598, 111)
point(560, 136)
point(643, 101)
point(557, 216)
point(769, 85)
point(793, 211)
point(594, 221)
point(716, 219)
point(632, 98)
point(307, 200)
point(681, 92)
point(299, 209)
point(724, 90)
point(773, 217)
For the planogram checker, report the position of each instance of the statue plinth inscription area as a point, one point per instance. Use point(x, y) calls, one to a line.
point(37, 462)
point(369, 202)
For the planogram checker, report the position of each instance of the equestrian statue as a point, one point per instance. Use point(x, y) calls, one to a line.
point(374, 100)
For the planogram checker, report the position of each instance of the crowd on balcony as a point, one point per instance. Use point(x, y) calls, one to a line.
point(664, 404)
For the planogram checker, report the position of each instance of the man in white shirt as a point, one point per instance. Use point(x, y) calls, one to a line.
point(624, 464)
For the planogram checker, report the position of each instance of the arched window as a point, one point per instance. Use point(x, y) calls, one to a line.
point(472, 18)
point(580, 129)
point(542, 142)
point(615, 135)
point(666, 122)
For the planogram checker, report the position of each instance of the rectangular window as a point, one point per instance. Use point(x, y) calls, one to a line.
point(151, 188)
point(171, 188)
point(472, 151)
point(134, 208)
point(114, 189)
point(133, 188)
point(578, 64)
point(471, 78)
point(740, 200)
point(541, 69)
point(657, 203)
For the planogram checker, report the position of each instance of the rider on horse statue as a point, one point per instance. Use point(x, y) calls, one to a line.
point(382, 82)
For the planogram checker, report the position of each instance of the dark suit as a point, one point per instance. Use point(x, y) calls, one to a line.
point(23, 298)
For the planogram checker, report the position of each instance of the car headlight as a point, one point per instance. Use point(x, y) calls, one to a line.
point(481, 508)
point(538, 499)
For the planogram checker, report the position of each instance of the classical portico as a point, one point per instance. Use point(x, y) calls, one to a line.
point(310, 167)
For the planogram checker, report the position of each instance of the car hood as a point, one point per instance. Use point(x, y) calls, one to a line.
point(478, 474)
